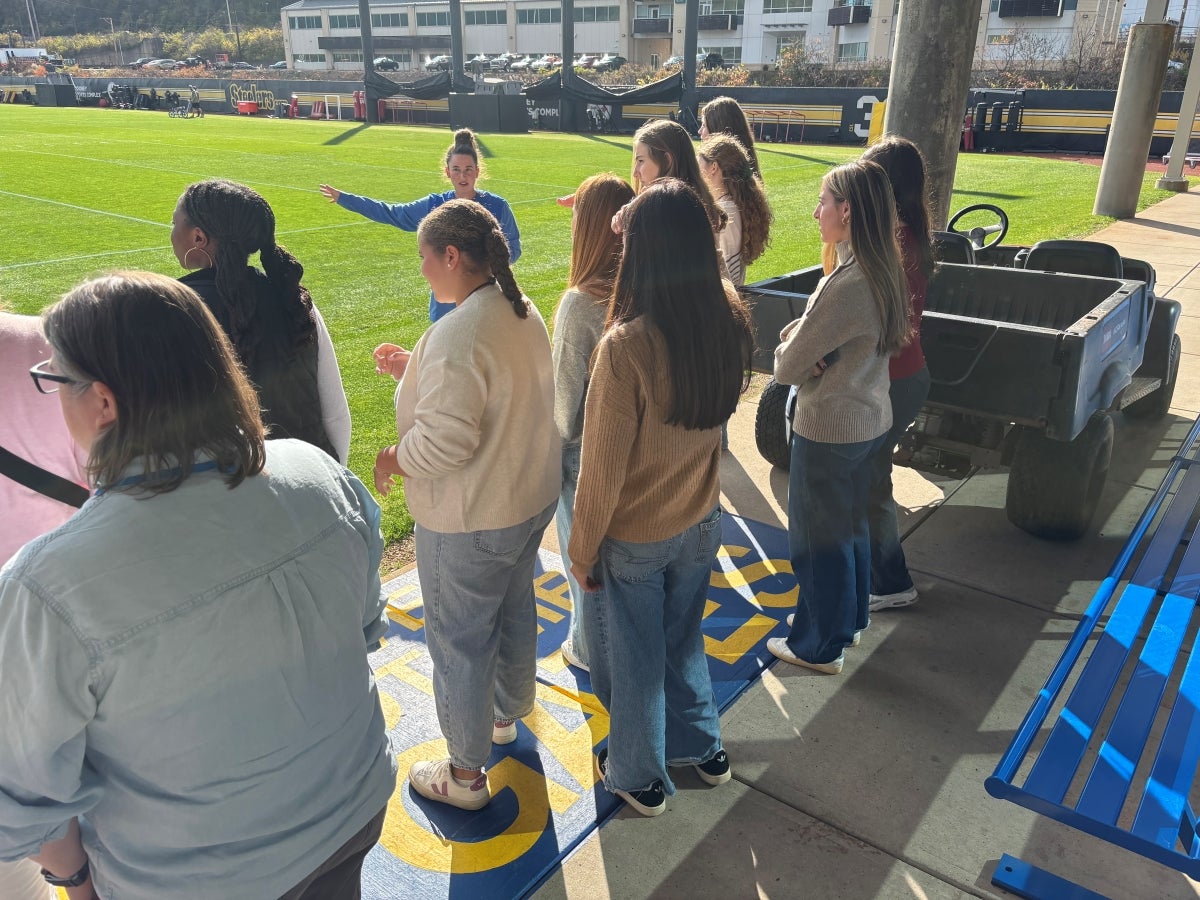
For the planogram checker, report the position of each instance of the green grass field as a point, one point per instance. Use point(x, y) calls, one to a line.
point(85, 191)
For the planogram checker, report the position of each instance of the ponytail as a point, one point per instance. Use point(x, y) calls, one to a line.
point(497, 254)
point(469, 227)
point(464, 144)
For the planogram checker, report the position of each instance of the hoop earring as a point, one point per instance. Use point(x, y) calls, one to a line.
point(190, 250)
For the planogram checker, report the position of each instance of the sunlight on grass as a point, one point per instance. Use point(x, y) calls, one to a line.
point(88, 191)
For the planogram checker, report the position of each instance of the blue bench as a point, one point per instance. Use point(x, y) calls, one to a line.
point(1122, 751)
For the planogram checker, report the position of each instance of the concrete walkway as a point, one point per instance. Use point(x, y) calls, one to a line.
point(870, 784)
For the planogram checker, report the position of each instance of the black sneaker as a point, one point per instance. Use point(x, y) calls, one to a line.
point(716, 770)
point(649, 802)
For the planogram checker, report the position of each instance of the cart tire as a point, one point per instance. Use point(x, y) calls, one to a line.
point(1158, 404)
point(1054, 486)
point(771, 431)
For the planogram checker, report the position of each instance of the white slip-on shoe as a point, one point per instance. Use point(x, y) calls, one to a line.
point(780, 650)
point(434, 780)
point(893, 601)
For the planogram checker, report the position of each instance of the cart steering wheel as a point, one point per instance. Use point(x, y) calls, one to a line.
point(979, 236)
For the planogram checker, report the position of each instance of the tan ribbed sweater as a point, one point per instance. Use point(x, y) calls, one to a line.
point(849, 402)
point(640, 480)
point(475, 415)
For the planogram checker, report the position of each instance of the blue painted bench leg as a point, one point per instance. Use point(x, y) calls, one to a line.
point(1032, 883)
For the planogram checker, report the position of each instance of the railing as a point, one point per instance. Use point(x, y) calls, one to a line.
point(652, 26)
point(718, 22)
point(849, 15)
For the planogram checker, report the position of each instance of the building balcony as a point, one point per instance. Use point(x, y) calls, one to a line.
point(854, 14)
point(651, 26)
point(719, 22)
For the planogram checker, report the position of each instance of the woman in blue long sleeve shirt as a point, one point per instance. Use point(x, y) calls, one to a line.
point(462, 168)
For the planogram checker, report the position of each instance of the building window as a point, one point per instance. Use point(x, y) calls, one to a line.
point(787, 6)
point(723, 7)
point(433, 20)
point(389, 20)
point(344, 22)
point(732, 56)
point(347, 56)
point(297, 23)
point(852, 51)
point(541, 16)
point(597, 13)
point(309, 57)
point(486, 17)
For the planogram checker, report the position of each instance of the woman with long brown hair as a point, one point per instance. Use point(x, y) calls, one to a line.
point(578, 324)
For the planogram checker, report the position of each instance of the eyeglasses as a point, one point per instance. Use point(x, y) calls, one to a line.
point(48, 382)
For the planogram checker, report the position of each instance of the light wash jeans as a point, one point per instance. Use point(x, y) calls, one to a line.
point(647, 655)
point(889, 570)
point(830, 545)
point(563, 518)
point(481, 629)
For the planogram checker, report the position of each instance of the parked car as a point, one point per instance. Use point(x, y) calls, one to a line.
point(480, 60)
point(387, 64)
point(609, 62)
point(282, 64)
point(194, 62)
point(584, 61)
point(438, 64)
point(242, 65)
point(549, 61)
point(521, 64)
point(141, 61)
point(163, 64)
point(504, 61)
point(710, 61)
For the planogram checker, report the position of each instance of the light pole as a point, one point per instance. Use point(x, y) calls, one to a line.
point(33, 28)
point(236, 36)
point(116, 46)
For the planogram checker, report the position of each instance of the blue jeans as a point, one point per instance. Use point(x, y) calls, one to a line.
point(889, 571)
point(563, 518)
point(830, 545)
point(646, 651)
point(481, 629)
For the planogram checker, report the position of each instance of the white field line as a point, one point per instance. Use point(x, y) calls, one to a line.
point(98, 212)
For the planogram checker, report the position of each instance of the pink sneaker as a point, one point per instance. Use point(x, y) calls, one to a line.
point(434, 780)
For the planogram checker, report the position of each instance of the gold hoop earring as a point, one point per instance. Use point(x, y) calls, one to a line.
point(190, 250)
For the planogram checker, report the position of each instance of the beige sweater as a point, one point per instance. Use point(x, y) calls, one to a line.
point(640, 479)
point(475, 415)
point(849, 402)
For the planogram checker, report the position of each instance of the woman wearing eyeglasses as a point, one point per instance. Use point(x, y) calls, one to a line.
point(188, 654)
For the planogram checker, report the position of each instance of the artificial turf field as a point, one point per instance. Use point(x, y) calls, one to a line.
point(86, 191)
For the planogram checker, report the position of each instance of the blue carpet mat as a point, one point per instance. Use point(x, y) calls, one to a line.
point(546, 798)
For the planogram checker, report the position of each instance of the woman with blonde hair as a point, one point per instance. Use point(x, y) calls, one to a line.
point(463, 167)
point(837, 353)
point(723, 115)
point(481, 462)
point(726, 168)
point(578, 324)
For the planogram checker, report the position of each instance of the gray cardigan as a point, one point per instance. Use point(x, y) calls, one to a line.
point(849, 402)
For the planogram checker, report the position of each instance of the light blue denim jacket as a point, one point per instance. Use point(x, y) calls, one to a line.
point(188, 672)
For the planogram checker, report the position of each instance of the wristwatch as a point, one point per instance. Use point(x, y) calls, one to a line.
point(71, 881)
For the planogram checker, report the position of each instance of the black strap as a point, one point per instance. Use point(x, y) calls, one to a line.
point(38, 479)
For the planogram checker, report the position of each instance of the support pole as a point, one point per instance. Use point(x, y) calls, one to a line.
point(689, 100)
point(456, 43)
point(1173, 180)
point(568, 109)
point(368, 50)
point(1134, 113)
point(930, 78)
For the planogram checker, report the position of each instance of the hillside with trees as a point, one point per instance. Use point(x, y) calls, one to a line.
point(65, 17)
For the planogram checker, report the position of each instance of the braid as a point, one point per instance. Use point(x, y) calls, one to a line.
point(241, 222)
point(476, 234)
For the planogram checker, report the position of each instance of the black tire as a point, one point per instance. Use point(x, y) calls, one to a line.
point(771, 432)
point(1158, 404)
point(1054, 486)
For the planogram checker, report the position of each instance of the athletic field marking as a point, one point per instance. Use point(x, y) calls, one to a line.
point(99, 212)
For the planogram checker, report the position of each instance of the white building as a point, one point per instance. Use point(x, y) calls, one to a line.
point(324, 34)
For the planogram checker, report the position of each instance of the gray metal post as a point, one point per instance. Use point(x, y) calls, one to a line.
point(567, 108)
point(1173, 180)
point(368, 50)
point(1133, 118)
point(456, 42)
point(927, 96)
point(691, 19)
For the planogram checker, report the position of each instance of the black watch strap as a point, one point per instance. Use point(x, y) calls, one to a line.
point(73, 881)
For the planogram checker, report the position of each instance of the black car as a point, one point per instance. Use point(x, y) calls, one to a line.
point(282, 64)
point(141, 61)
point(438, 64)
point(387, 64)
point(609, 62)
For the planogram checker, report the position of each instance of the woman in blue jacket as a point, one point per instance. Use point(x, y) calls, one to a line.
point(463, 169)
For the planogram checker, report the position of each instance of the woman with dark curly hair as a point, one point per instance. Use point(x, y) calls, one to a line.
point(726, 168)
point(278, 335)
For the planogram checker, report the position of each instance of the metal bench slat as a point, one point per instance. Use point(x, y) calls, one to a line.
point(1055, 766)
point(1110, 778)
point(1164, 807)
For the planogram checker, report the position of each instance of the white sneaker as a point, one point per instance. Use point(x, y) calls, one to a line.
point(568, 651)
point(853, 643)
point(434, 780)
point(504, 731)
point(893, 601)
point(780, 650)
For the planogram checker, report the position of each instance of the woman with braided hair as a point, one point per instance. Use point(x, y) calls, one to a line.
point(279, 335)
point(462, 167)
point(481, 460)
point(727, 169)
